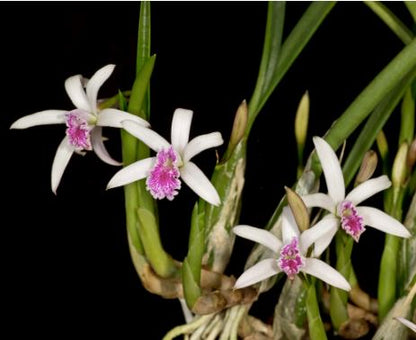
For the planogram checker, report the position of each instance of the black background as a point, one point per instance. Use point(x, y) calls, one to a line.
point(66, 266)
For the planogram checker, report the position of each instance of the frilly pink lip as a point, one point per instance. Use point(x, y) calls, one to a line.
point(163, 180)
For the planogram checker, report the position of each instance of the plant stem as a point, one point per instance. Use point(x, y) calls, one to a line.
point(315, 325)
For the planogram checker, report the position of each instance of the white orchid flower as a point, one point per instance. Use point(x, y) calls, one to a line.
point(407, 323)
point(343, 208)
point(290, 255)
point(172, 161)
point(84, 124)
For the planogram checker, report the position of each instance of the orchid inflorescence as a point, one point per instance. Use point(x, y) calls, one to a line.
point(300, 240)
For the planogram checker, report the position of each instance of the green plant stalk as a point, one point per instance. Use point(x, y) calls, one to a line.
point(391, 20)
point(191, 270)
point(315, 324)
point(388, 280)
point(129, 149)
point(138, 106)
point(300, 168)
point(338, 297)
point(143, 56)
point(128, 142)
point(143, 36)
point(228, 179)
point(140, 206)
point(130, 193)
point(160, 261)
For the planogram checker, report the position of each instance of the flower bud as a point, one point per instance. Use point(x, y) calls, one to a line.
point(239, 128)
point(301, 120)
point(299, 210)
point(368, 166)
point(399, 171)
point(382, 145)
point(411, 155)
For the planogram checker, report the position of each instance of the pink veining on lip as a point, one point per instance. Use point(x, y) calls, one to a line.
point(351, 222)
point(290, 260)
point(163, 180)
point(78, 130)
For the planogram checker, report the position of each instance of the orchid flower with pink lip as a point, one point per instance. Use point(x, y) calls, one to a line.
point(290, 255)
point(84, 124)
point(344, 209)
point(172, 161)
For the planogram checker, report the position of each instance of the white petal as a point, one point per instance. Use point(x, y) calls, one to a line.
point(407, 323)
point(131, 173)
point(201, 143)
point(368, 189)
point(99, 148)
point(326, 273)
point(94, 84)
point(259, 272)
point(289, 227)
point(331, 168)
point(76, 93)
point(149, 137)
point(320, 234)
point(379, 220)
point(114, 117)
point(320, 200)
point(181, 125)
point(40, 118)
point(199, 183)
point(262, 236)
point(62, 157)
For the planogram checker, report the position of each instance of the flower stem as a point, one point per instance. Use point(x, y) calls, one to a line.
point(338, 299)
point(315, 325)
point(387, 286)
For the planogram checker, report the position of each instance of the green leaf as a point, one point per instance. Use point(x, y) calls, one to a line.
point(372, 128)
point(140, 87)
point(391, 20)
point(407, 125)
point(191, 287)
point(289, 51)
point(271, 48)
point(411, 6)
point(161, 262)
point(402, 66)
point(143, 36)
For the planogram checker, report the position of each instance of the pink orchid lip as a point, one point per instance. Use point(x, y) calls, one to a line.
point(78, 129)
point(351, 221)
point(163, 180)
point(290, 260)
